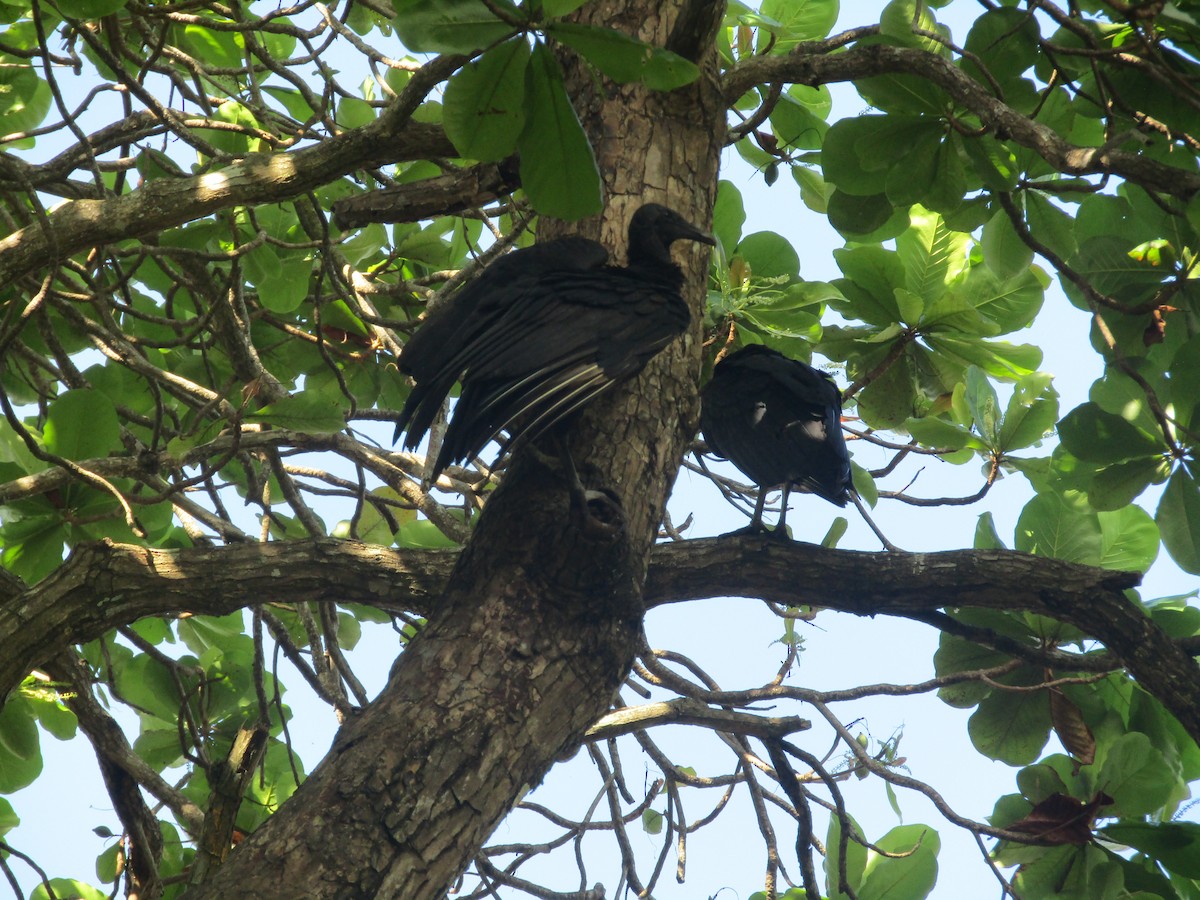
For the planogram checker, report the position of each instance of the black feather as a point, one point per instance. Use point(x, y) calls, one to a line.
point(779, 421)
point(541, 332)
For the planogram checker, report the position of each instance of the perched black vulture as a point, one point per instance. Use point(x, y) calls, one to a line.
point(541, 332)
point(779, 421)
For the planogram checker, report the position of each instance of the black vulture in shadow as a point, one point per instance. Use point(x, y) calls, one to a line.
point(780, 422)
point(541, 332)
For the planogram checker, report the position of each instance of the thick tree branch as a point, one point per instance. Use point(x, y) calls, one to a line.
point(105, 585)
point(813, 64)
point(442, 196)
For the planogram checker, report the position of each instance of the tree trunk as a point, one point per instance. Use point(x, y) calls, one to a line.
point(540, 620)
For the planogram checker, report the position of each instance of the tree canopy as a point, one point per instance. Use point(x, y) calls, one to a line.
point(221, 223)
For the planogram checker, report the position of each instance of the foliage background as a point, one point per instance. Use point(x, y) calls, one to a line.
point(273, 272)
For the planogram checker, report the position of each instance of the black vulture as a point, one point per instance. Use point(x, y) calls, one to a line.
point(780, 422)
point(541, 332)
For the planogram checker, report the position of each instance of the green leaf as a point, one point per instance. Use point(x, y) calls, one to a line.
point(624, 58)
point(729, 214)
point(934, 432)
point(90, 9)
point(1092, 434)
point(1118, 485)
point(450, 26)
point(769, 255)
point(1129, 539)
point(284, 289)
point(24, 97)
point(1174, 844)
point(912, 875)
point(872, 276)
point(1011, 726)
point(956, 655)
point(861, 218)
point(483, 108)
point(68, 887)
point(302, 412)
point(652, 821)
point(106, 863)
point(82, 424)
point(1003, 250)
point(1178, 519)
point(8, 817)
point(856, 857)
point(986, 536)
point(1137, 776)
point(558, 170)
point(932, 254)
point(795, 22)
point(984, 405)
point(1025, 422)
point(1062, 526)
point(20, 749)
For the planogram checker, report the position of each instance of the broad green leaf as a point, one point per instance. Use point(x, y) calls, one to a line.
point(8, 817)
point(302, 412)
point(808, 21)
point(1011, 726)
point(1012, 304)
point(956, 655)
point(769, 255)
point(450, 26)
point(795, 124)
point(1003, 250)
point(856, 858)
point(1053, 227)
point(90, 9)
point(1026, 425)
point(859, 152)
point(933, 432)
point(624, 58)
point(1062, 526)
point(106, 863)
point(872, 276)
point(932, 254)
point(652, 821)
point(483, 107)
point(1005, 41)
point(1174, 844)
point(68, 887)
point(1107, 266)
point(286, 286)
point(1094, 435)
point(864, 218)
point(1000, 359)
point(354, 113)
point(1118, 485)
point(912, 875)
point(25, 98)
point(1136, 775)
point(558, 170)
point(82, 424)
point(1178, 519)
point(1129, 539)
point(984, 405)
point(729, 214)
point(20, 749)
point(986, 536)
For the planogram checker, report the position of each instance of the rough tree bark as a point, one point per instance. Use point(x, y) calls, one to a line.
point(539, 622)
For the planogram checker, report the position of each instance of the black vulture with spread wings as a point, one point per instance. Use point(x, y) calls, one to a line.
point(541, 332)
